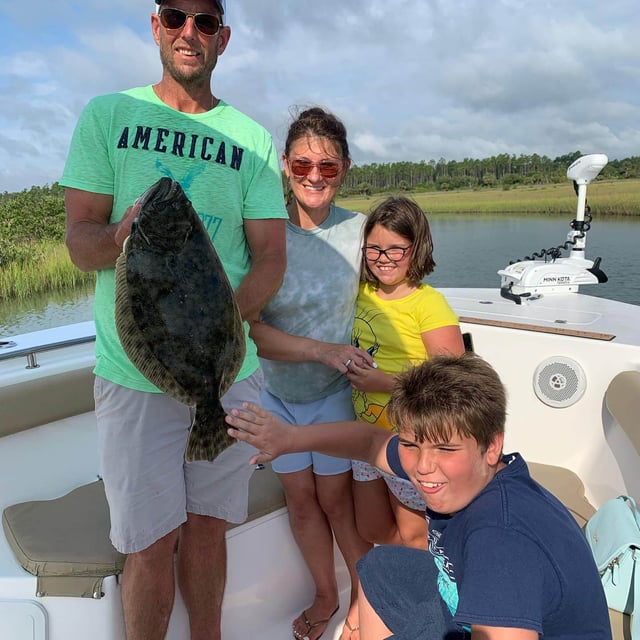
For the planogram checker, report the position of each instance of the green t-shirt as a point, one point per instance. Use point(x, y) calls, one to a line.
point(226, 163)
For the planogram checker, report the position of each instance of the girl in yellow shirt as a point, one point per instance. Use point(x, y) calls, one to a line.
point(401, 322)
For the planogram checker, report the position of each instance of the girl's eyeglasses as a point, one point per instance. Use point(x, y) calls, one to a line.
point(394, 254)
point(206, 23)
point(302, 168)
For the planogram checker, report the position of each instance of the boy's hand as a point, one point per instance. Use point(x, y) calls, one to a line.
point(260, 429)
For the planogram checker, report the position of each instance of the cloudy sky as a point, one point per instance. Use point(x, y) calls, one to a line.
point(412, 79)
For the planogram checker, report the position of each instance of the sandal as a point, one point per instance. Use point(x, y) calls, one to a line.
point(312, 625)
point(351, 630)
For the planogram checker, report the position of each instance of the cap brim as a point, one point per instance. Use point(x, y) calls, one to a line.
point(220, 5)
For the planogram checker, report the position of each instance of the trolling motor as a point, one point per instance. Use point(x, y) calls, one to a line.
point(531, 278)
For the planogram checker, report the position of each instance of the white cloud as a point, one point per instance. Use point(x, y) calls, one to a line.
point(412, 80)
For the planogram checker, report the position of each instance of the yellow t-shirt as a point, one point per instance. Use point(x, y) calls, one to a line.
point(391, 330)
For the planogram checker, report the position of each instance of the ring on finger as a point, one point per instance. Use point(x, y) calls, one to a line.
point(348, 362)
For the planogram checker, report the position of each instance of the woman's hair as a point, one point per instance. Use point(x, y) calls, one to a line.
point(318, 123)
point(404, 217)
point(446, 395)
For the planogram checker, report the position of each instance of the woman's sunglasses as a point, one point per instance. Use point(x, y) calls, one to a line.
point(302, 168)
point(206, 23)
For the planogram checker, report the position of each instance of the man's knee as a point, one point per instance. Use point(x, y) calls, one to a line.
point(206, 526)
point(159, 552)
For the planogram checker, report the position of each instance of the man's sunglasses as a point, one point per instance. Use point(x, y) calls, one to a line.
point(302, 168)
point(206, 23)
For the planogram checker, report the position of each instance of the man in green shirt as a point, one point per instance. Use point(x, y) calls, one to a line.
point(227, 165)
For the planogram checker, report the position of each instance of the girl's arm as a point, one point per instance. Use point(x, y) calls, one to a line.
point(352, 440)
point(444, 341)
point(368, 378)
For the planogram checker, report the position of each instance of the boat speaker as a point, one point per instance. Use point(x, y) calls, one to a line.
point(559, 382)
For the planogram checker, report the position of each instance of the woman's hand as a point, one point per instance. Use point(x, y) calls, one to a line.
point(261, 429)
point(342, 356)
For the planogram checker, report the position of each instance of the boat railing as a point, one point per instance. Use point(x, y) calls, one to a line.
point(29, 345)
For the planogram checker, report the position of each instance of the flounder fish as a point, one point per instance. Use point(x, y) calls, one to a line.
point(176, 313)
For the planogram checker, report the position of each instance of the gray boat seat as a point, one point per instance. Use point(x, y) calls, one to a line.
point(65, 541)
point(622, 400)
point(45, 399)
point(568, 488)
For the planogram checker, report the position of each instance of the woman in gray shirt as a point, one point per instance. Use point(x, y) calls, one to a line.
point(304, 341)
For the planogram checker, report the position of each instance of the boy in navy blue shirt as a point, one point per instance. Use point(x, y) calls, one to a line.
point(506, 560)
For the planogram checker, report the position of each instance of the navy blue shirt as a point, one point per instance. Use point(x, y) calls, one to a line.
point(515, 557)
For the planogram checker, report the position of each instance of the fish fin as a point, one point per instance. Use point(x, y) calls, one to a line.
point(234, 354)
point(208, 436)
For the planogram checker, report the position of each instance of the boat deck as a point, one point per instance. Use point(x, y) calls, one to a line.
point(568, 314)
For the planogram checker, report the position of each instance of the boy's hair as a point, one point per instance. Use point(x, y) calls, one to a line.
point(404, 217)
point(450, 395)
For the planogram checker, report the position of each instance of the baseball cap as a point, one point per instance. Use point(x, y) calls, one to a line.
point(221, 5)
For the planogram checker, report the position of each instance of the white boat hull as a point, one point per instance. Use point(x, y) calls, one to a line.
point(268, 584)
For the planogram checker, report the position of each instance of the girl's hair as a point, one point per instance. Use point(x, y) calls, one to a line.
point(404, 217)
point(318, 123)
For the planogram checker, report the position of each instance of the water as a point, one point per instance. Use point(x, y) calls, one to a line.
point(43, 311)
point(469, 250)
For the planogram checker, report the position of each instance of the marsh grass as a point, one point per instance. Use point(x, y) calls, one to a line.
point(48, 268)
point(611, 197)
point(44, 265)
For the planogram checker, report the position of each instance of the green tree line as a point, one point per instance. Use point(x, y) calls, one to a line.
point(503, 170)
point(35, 217)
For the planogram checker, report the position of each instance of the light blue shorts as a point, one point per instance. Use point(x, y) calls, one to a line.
point(333, 408)
point(150, 488)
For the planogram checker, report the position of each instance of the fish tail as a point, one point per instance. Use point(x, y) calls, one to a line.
point(208, 436)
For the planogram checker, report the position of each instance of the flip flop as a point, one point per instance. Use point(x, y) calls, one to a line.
point(351, 629)
point(313, 625)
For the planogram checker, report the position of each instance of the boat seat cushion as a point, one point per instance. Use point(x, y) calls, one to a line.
point(43, 400)
point(65, 541)
point(566, 486)
point(622, 400)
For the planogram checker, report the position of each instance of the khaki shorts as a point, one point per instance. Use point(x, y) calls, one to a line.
point(150, 488)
